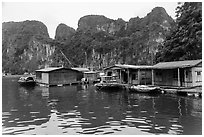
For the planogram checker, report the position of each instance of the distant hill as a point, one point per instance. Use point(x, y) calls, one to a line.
point(97, 42)
point(100, 41)
point(64, 32)
point(25, 46)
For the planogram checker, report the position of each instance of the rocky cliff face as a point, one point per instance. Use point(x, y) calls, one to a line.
point(110, 41)
point(97, 23)
point(64, 32)
point(25, 46)
point(151, 31)
point(97, 43)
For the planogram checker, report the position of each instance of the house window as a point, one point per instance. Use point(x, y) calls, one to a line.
point(199, 76)
point(143, 73)
point(198, 73)
point(109, 73)
point(158, 73)
point(158, 76)
point(134, 76)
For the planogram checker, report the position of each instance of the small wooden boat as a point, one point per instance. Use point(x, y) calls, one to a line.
point(27, 81)
point(108, 83)
point(109, 86)
point(145, 89)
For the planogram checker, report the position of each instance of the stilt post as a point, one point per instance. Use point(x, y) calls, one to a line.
point(152, 76)
point(179, 82)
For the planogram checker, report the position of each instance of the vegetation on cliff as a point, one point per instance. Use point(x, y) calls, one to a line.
point(99, 41)
point(185, 41)
point(17, 40)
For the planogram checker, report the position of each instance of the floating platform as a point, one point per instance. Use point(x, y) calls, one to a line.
point(189, 91)
point(56, 85)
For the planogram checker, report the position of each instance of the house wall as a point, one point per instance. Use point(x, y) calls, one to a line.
point(62, 77)
point(197, 76)
point(142, 76)
point(91, 76)
point(188, 82)
point(80, 75)
point(45, 78)
point(116, 73)
point(145, 77)
point(167, 77)
point(134, 77)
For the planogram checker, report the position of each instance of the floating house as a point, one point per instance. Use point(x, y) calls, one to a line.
point(91, 76)
point(57, 76)
point(81, 74)
point(130, 74)
point(178, 73)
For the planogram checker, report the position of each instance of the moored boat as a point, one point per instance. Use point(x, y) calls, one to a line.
point(145, 89)
point(27, 81)
point(108, 83)
point(109, 86)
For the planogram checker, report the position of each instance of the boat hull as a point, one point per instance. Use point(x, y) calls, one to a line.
point(146, 89)
point(27, 81)
point(31, 83)
point(108, 86)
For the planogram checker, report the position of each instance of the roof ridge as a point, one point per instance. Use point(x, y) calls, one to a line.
point(181, 61)
point(178, 64)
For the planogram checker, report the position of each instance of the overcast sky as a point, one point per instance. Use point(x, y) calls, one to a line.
point(54, 13)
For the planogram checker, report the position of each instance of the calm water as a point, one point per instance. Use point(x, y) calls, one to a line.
point(83, 110)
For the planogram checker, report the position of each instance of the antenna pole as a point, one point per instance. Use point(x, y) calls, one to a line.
point(66, 58)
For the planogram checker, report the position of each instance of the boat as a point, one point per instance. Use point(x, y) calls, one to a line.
point(27, 81)
point(145, 89)
point(108, 83)
point(109, 86)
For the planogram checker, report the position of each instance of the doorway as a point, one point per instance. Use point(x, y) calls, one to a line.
point(182, 77)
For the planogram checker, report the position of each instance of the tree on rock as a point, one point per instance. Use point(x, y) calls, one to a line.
point(185, 41)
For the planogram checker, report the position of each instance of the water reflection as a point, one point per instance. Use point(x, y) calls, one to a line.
point(83, 110)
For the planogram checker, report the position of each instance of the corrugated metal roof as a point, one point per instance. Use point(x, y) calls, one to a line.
point(177, 64)
point(119, 66)
point(52, 69)
point(49, 69)
point(81, 69)
point(91, 72)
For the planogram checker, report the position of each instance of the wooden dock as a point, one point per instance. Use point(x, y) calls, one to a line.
point(57, 85)
point(189, 91)
point(186, 91)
